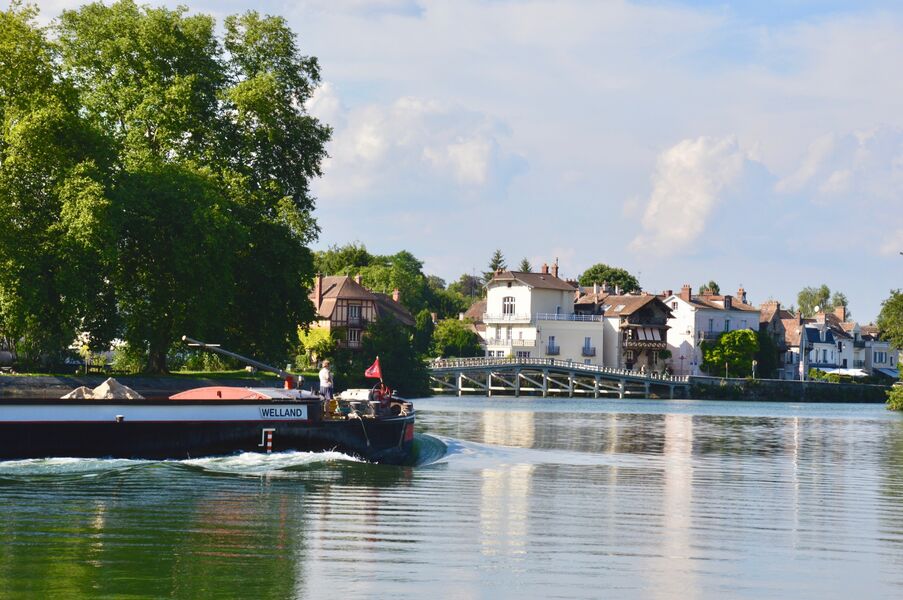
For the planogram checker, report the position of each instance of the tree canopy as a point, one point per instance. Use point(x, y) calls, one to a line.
point(811, 297)
point(455, 338)
point(614, 276)
point(496, 263)
point(154, 179)
point(890, 319)
point(711, 285)
point(525, 266)
point(736, 348)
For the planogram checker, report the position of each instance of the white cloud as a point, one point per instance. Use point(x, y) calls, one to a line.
point(687, 186)
point(419, 144)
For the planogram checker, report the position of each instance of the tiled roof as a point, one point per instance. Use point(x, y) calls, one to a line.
point(545, 281)
point(476, 311)
point(336, 287)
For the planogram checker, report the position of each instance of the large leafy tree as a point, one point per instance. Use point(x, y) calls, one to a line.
point(145, 142)
point(54, 180)
point(453, 337)
point(890, 319)
point(736, 349)
point(810, 298)
point(614, 276)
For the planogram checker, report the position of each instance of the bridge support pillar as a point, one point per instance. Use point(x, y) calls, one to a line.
point(647, 388)
point(460, 383)
point(621, 386)
point(671, 392)
point(489, 384)
point(596, 387)
point(571, 376)
point(545, 383)
point(517, 383)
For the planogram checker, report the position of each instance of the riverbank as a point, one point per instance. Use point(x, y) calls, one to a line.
point(776, 390)
point(54, 386)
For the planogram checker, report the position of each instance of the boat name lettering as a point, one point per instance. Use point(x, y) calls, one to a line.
point(284, 412)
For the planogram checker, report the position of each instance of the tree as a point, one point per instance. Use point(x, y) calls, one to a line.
point(468, 286)
point(342, 260)
point(454, 337)
point(525, 266)
point(736, 348)
point(711, 285)
point(423, 331)
point(496, 263)
point(222, 140)
point(602, 273)
point(402, 367)
point(767, 357)
point(811, 297)
point(890, 319)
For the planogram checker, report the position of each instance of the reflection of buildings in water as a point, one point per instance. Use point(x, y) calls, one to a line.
point(503, 428)
point(504, 511)
point(676, 568)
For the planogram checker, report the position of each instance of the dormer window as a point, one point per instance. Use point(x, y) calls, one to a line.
point(508, 305)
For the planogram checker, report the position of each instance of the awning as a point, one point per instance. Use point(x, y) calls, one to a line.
point(847, 372)
point(892, 373)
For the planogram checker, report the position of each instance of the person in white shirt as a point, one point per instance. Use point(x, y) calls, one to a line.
point(326, 381)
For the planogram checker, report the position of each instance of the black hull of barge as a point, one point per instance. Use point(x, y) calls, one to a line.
point(388, 440)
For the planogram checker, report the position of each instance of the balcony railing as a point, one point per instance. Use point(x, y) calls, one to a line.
point(588, 351)
point(709, 335)
point(553, 350)
point(348, 343)
point(568, 317)
point(506, 318)
point(508, 343)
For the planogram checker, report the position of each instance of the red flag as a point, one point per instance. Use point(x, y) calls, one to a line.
point(374, 371)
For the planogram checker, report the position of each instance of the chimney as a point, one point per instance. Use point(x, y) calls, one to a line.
point(460, 316)
point(728, 302)
point(576, 294)
point(545, 269)
point(596, 288)
point(841, 313)
point(435, 317)
point(617, 290)
point(555, 269)
point(318, 291)
point(358, 279)
point(668, 293)
point(685, 292)
point(741, 295)
point(396, 294)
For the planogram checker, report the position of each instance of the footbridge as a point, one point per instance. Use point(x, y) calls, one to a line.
point(548, 376)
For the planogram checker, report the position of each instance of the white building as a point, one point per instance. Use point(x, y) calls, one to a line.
point(697, 318)
point(532, 315)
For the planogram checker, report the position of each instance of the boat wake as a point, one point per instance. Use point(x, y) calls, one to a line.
point(428, 449)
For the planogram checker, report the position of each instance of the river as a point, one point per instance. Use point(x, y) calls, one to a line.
point(512, 498)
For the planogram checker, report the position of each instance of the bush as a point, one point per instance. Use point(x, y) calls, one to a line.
point(895, 397)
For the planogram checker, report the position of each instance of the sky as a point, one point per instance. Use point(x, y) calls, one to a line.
point(757, 144)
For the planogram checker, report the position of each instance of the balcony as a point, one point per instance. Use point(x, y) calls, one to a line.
point(709, 335)
point(503, 318)
point(588, 351)
point(553, 350)
point(353, 344)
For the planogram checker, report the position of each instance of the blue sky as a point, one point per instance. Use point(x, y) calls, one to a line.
point(753, 143)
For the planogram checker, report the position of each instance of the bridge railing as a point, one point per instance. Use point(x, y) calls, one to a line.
point(482, 363)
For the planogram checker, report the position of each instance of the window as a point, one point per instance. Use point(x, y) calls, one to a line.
point(508, 333)
point(727, 324)
point(674, 305)
point(711, 325)
point(552, 340)
point(523, 354)
point(354, 313)
point(824, 355)
point(354, 336)
point(587, 342)
point(743, 324)
point(508, 305)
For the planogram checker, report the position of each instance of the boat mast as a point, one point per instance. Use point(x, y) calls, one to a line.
point(289, 378)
